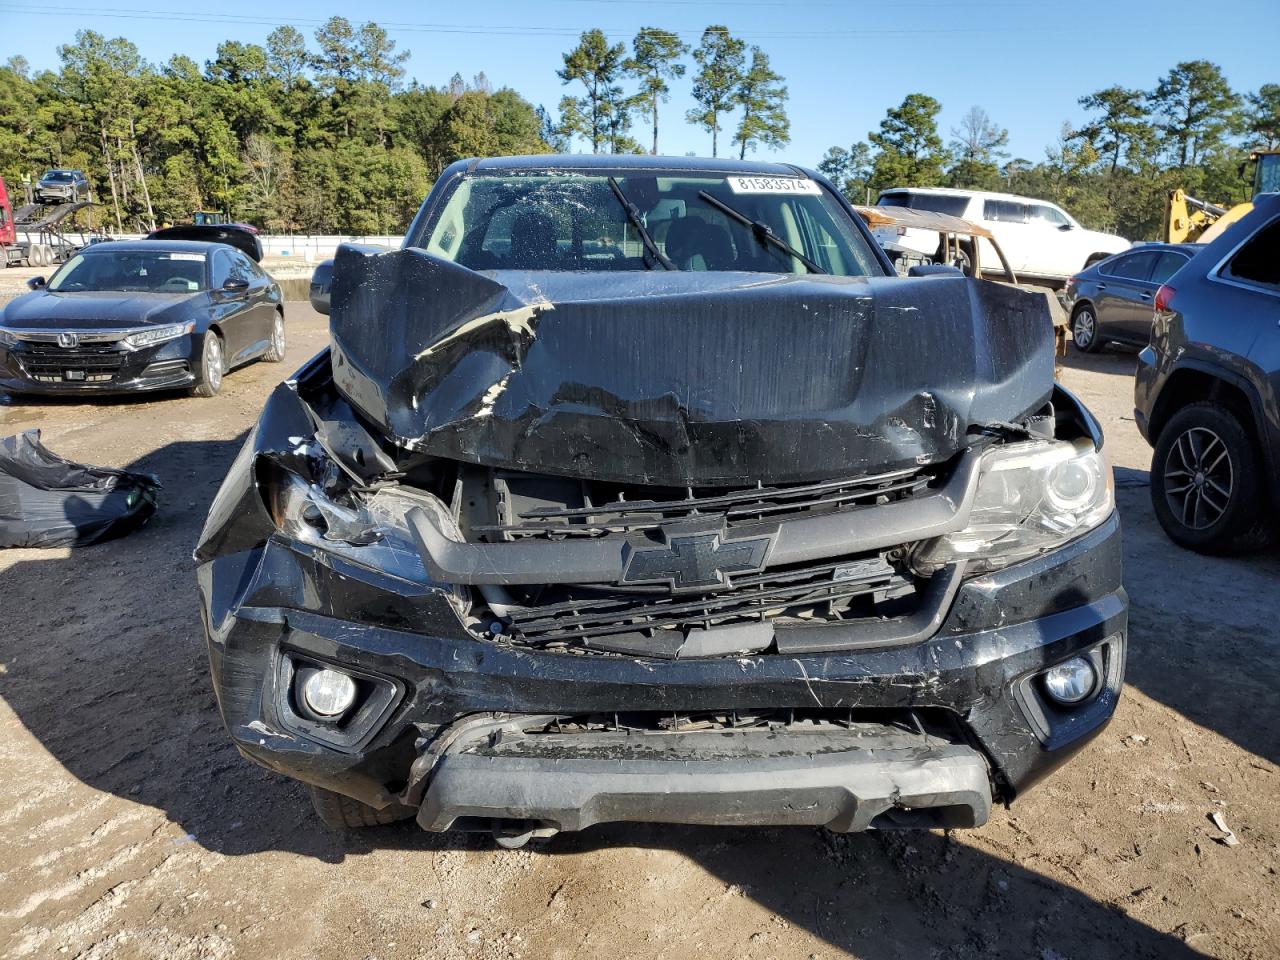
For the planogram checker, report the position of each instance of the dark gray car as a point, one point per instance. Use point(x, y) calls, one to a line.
point(62, 186)
point(1111, 300)
point(1207, 395)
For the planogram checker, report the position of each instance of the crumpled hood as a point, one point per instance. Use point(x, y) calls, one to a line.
point(89, 311)
point(676, 378)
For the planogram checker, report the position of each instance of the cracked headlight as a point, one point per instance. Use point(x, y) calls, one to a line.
point(312, 501)
point(1031, 497)
point(153, 335)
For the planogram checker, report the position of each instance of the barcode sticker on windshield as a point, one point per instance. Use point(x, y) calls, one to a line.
point(774, 185)
point(197, 257)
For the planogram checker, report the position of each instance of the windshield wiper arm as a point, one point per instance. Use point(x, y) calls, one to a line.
point(633, 216)
point(763, 232)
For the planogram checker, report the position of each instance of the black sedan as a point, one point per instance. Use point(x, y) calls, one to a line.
point(141, 315)
point(1111, 300)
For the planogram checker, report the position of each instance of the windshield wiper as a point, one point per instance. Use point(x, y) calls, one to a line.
point(633, 216)
point(763, 232)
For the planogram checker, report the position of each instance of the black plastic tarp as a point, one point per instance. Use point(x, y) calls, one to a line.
point(46, 501)
point(677, 378)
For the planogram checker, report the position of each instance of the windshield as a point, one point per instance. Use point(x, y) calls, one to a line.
point(934, 202)
point(573, 221)
point(159, 271)
point(60, 175)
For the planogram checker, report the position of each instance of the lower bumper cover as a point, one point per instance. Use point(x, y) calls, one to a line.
point(846, 781)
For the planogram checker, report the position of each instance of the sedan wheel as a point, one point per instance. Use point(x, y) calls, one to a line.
point(1205, 482)
point(1084, 330)
point(275, 352)
point(211, 366)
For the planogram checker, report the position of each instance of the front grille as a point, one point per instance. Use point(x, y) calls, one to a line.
point(696, 612)
point(817, 593)
point(530, 505)
point(46, 360)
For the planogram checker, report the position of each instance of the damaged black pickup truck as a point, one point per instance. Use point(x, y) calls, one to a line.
point(638, 489)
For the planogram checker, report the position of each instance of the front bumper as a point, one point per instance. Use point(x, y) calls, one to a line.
point(265, 608)
point(164, 366)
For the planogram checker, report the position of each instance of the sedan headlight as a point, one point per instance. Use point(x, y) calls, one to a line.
point(7, 339)
point(1031, 497)
point(153, 335)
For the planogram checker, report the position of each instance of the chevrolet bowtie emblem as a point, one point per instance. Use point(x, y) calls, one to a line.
point(696, 560)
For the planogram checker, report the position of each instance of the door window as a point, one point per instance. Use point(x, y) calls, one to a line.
point(1167, 264)
point(1258, 261)
point(241, 268)
point(221, 269)
point(1136, 266)
point(1005, 211)
point(1050, 215)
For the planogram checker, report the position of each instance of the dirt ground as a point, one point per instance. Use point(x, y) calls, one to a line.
point(129, 827)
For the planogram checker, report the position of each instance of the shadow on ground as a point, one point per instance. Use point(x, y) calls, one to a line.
point(105, 665)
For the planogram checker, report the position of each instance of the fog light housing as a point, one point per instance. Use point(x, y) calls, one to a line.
point(327, 693)
point(1071, 682)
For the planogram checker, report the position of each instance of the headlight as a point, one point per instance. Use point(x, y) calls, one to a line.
point(7, 339)
point(1031, 497)
point(312, 501)
point(154, 335)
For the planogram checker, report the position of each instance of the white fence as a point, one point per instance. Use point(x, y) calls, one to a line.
point(310, 247)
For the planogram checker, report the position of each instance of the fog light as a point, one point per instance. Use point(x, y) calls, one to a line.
point(328, 693)
point(1070, 681)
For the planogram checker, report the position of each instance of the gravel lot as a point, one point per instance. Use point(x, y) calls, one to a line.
point(129, 827)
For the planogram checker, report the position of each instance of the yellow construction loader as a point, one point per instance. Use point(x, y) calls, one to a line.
point(1188, 220)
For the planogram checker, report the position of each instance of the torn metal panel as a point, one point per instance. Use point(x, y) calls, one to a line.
point(681, 378)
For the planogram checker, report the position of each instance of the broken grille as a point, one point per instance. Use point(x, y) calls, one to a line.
point(528, 505)
point(815, 593)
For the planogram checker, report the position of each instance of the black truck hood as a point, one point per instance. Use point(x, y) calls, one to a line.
point(682, 378)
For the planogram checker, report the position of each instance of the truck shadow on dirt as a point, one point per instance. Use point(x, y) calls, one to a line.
point(104, 664)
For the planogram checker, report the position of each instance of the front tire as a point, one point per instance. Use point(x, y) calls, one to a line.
point(1084, 329)
point(1206, 482)
point(212, 366)
point(275, 351)
point(343, 813)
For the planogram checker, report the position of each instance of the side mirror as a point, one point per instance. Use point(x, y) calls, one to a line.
point(36, 283)
point(235, 286)
point(321, 286)
point(1066, 226)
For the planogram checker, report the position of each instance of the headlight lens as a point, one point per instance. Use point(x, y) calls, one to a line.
point(154, 335)
point(1031, 497)
point(311, 501)
point(7, 339)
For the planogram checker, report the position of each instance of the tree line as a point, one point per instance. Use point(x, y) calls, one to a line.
point(1113, 172)
point(323, 134)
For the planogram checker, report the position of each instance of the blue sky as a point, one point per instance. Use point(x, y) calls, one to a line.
point(845, 62)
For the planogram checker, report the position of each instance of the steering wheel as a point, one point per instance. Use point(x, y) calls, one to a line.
point(176, 283)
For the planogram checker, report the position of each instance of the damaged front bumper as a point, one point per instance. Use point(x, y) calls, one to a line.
point(968, 695)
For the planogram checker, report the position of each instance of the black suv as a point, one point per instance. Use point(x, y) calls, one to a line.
point(642, 489)
point(1208, 389)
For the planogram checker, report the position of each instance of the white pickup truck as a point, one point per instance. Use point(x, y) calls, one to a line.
point(1040, 239)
